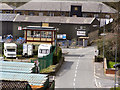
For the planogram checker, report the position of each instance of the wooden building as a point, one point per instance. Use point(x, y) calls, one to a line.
point(38, 35)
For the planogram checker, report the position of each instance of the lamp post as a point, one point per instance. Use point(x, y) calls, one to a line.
point(103, 34)
point(56, 39)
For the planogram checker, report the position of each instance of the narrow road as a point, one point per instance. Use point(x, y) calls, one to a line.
point(77, 70)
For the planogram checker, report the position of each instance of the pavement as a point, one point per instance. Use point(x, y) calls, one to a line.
point(101, 79)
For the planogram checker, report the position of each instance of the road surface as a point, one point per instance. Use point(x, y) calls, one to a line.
point(78, 69)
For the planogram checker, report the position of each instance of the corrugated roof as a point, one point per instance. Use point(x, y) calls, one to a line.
point(58, 19)
point(33, 79)
point(88, 6)
point(4, 6)
point(18, 67)
point(7, 17)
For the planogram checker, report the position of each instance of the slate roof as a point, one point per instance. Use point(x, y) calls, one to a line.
point(88, 6)
point(7, 17)
point(4, 6)
point(57, 19)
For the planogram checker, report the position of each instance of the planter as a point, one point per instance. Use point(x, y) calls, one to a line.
point(108, 70)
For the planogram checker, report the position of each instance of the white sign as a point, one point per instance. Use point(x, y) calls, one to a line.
point(64, 36)
point(81, 33)
point(19, 28)
point(61, 36)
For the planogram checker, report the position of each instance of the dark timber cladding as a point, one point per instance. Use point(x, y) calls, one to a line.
point(39, 34)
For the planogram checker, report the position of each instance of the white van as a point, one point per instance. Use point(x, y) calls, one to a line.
point(44, 49)
point(10, 49)
point(27, 49)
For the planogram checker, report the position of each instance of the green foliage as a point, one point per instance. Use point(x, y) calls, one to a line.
point(56, 57)
point(48, 69)
point(98, 58)
point(19, 49)
point(117, 88)
point(110, 64)
point(109, 48)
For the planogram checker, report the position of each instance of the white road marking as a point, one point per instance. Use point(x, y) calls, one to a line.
point(99, 84)
point(96, 83)
point(76, 67)
point(76, 71)
point(75, 74)
point(73, 84)
point(74, 79)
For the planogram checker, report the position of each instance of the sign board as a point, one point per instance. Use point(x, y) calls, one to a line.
point(0, 38)
point(81, 33)
point(61, 36)
point(64, 36)
point(19, 28)
point(45, 24)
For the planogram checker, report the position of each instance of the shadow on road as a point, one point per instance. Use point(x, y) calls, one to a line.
point(65, 67)
point(73, 55)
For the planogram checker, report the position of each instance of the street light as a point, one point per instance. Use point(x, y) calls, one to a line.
point(103, 34)
point(116, 66)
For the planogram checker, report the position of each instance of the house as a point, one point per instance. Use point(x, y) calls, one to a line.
point(66, 8)
point(68, 25)
point(5, 8)
point(6, 24)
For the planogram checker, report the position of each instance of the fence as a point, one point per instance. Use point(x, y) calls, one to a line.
point(72, 43)
point(0, 49)
point(45, 61)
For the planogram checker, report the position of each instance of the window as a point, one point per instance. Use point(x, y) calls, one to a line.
point(40, 14)
point(36, 34)
point(0, 11)
point(11, 50)
point(49, 34)
point(44, 51)
point(84, 15)
point(96, 15)
point(7, 11)
point(107, 16)
point(31, 13)
point(43, 34)
point(20, 13)
point(51, 14)
point(28, 33)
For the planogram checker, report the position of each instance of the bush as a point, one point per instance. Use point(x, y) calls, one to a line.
point(98, 59)
point(57, 57)
point(19, 49)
